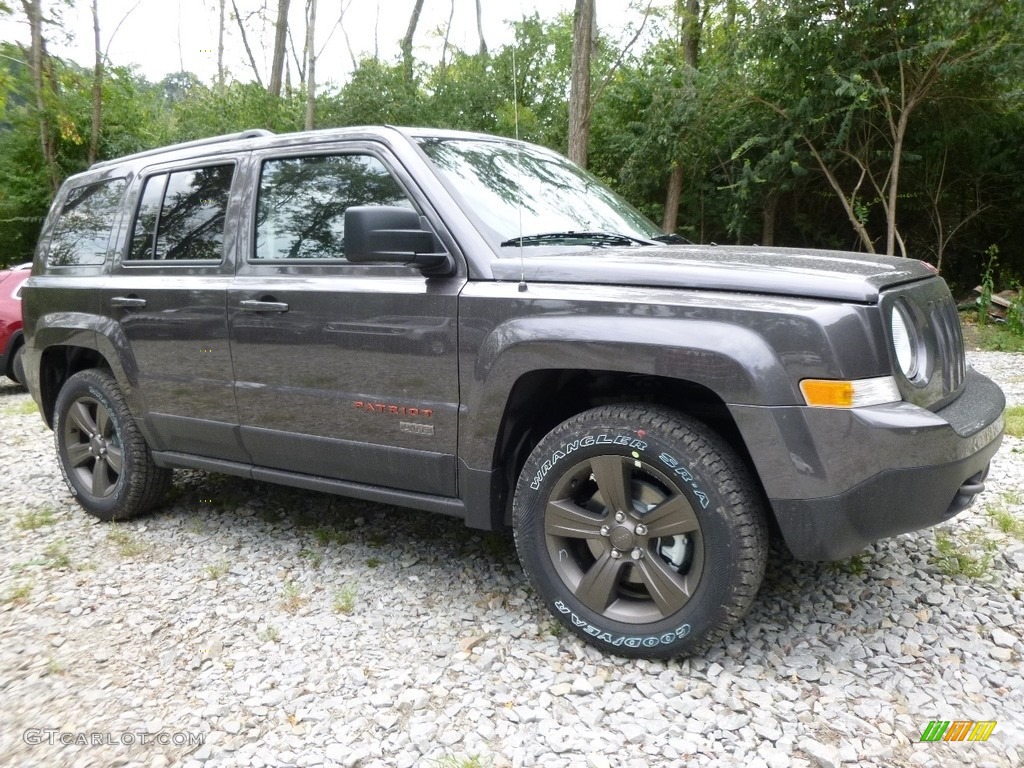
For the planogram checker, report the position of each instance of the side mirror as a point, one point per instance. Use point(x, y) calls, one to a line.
point(380, 234)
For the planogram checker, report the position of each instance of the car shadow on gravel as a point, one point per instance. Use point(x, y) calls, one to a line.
point(326, 521)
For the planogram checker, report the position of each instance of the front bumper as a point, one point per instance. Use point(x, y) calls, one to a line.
point(839, 479)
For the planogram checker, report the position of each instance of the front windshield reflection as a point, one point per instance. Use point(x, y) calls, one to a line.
point(499, 180)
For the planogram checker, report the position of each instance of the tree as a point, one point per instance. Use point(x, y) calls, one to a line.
point(414, 20)
point(311, 63)
point(849, 80)
point(480, 28)
point(584, 37)
point(42, 78)
point(280, 48)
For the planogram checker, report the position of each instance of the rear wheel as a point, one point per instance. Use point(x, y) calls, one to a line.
point(104, 458)
point(641, 529)
point(18, 365)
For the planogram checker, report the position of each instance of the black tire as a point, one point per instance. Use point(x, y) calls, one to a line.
point(104, 458)
point(676, 561)
point(18, 365)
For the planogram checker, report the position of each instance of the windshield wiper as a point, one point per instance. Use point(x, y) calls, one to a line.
point(559, 238)
point(672, 239)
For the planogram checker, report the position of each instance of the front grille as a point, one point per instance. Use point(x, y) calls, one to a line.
point(950, 344)
point(939, 325)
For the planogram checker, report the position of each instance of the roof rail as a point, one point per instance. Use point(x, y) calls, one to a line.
point(253, 133)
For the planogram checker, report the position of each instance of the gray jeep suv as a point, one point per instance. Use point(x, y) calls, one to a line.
point(473, 326)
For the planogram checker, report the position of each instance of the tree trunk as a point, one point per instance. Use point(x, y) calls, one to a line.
point(311, 66)
point(414, 20)
point(245, 43)
point(280, 49)
point(691, 31)
point(768, 219)
point(579, 91)
point(97, 87)
point(37, 66)
point(480, 28)
point(894, 185)
point(220, 46)
point(675, 191)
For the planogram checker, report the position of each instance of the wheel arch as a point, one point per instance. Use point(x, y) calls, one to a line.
point(541, 400)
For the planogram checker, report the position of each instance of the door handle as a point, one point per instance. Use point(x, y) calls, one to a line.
point(252, 305)
point(127, 302)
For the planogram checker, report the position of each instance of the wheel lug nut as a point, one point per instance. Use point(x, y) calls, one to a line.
point(620, 517)
point(616, 554)
point(641, 530)
point(605, 530)
point(637, 554)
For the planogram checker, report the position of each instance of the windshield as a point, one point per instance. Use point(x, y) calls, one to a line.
point(503, 182)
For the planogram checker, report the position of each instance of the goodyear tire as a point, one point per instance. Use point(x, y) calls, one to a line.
point(641, 529)
point(103, 456)
point(18, 366)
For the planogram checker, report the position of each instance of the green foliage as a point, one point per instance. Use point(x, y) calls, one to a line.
point(971, 558)
point(987, 285)
point(35, 518)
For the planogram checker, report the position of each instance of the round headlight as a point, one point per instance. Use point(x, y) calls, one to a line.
point(905, 341)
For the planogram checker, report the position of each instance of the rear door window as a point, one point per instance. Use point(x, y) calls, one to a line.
point(81, 235)
point(181, 215)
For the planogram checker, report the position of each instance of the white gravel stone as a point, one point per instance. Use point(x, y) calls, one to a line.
point(1003, 639)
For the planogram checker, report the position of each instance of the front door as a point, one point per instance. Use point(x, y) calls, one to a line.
point(342, 370)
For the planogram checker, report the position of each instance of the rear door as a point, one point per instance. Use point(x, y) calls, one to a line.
point(343, 370)
point(168, 293)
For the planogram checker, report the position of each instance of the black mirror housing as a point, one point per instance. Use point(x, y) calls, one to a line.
point(380, 234)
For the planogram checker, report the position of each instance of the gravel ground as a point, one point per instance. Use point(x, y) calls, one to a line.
point(285, 628)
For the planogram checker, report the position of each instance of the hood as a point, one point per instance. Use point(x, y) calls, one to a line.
point(835, 275)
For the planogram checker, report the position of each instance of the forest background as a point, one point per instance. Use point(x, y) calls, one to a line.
point(886, 126)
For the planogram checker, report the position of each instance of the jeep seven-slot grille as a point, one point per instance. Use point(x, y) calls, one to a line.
point(949, 343)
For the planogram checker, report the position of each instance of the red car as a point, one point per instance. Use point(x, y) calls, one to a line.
point(11, 340)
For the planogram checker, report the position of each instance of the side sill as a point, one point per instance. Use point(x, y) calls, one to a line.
point(440, 504)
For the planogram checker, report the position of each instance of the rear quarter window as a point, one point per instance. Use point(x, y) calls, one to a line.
point(81, 234)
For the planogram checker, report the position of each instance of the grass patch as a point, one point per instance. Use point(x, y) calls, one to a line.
point(1003, 518)
point(269, 635)
point(326, 537)
point(955, 559)
point(127, 544)
point(35, 518)
point(373, 562)
point(26, 408)
point(998, 338)
point(54, 667)
point(216, 570)
point(345, 599)
point(855, 565)
point(453, 761)
point(56, 555)
point(314, 557)
point(292, 598)
point(1015, 420)
point(20, 594)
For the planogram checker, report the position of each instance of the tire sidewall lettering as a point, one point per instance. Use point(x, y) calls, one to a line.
point(617, 640)
point(676, 468)
point(568, 448)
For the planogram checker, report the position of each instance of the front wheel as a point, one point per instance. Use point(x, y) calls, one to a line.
point(641, 529)
point(102, 453)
